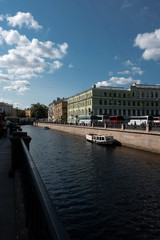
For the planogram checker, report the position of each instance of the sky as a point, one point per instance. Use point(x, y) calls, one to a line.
point(58, 48)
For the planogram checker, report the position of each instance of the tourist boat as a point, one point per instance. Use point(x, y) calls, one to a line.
point(100, 139)
point(46, 128)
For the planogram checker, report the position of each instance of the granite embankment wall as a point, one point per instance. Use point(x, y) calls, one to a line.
point(149, 141)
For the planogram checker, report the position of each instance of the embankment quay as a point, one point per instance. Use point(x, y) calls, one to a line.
point(141, 139)
point(26, 210)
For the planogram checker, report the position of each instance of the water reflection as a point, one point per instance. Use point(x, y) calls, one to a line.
point(99, 192)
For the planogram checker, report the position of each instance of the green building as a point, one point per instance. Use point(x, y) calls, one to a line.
point(138, 100)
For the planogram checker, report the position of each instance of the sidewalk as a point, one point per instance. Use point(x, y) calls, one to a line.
point(7, 193)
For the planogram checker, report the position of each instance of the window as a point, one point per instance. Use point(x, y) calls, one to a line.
point(105, 94)
point(100, 102)
point(114, 94)
point(119, 102)
point(129, 112)
point(105, 102)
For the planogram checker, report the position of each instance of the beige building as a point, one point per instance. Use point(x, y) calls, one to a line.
point(7, 109)
point(60, 111)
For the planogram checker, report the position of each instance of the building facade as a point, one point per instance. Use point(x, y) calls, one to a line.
point(138, 100)
point(60, 111)
point(7, 109)
point(51, 111)
point(28, 112)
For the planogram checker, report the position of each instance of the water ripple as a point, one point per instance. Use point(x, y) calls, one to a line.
point(100, 193)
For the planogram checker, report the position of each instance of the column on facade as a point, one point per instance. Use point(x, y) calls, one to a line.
point(126, 112)
point(117, 112)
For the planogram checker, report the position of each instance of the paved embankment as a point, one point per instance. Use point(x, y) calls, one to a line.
point(7, 193)
point(149, 141)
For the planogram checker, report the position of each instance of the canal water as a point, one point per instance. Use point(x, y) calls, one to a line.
point(110, 193)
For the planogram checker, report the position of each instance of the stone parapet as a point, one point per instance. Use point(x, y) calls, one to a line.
point(149, 141)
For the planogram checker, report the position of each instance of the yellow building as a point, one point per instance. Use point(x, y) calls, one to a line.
point(138, 100)
point(79, 105)
point(28, 112)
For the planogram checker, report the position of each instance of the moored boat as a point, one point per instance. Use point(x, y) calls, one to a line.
point(46, 128)
point(100, 139)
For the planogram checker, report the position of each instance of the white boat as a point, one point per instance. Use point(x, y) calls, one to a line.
point(100, 139)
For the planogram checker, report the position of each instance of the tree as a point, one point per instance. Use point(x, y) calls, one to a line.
point(20, 113)
point(38, 111)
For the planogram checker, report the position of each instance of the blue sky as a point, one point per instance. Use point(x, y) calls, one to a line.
point(58, 48)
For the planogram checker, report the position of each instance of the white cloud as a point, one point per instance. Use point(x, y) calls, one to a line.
point(137, 70)
point(26, 59)
point(127, 4)
point(113, 81)
point(18, 86)
point(126, 72)
point(128, 63)
point(55, 65)
point(12, 37)
point(23, 18)
point(1, 17)
point(133, 71)
point(103, 84)
point(5, 77)
point(123, 80)
point(150, 42)
point(6, 100)
point(110, 73)
point(115, 57)
point(70, 65)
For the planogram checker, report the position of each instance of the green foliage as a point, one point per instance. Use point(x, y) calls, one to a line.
point(20, 113)
point(38, 111)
